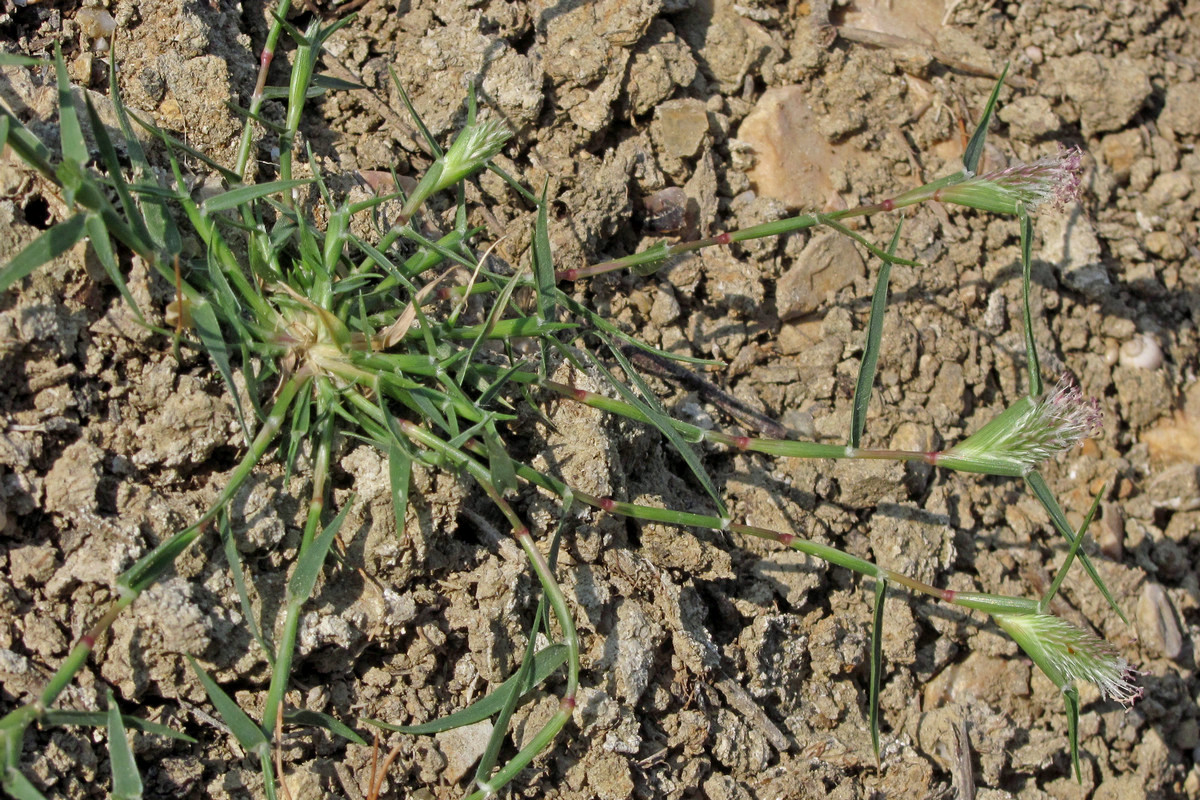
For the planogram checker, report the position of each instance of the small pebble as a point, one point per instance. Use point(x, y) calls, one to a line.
point(1156, 623)
point(1112, 532)
point(96, 23)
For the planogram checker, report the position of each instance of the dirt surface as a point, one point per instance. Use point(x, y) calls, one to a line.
point(713, 667)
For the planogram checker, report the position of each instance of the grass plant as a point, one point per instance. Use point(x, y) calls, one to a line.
point(338, 337)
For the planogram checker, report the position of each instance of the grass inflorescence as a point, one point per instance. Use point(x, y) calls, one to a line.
point(336, 336)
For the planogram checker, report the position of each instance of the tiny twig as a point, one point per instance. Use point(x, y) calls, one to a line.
point(891, 41)
point(665, 368)
point(962, 775)
point(742, 702)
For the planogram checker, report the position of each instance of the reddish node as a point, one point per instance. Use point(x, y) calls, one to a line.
point(741, 442)
point(606, 503)
point(88, 641)
point(888, 204)
point(580, 394)
point(786, 539)
point(948, 595)
point(722, 238)
point(932, 457)
point(521, 532)
point(568, 274)
point(567, 703)
point(444, 293)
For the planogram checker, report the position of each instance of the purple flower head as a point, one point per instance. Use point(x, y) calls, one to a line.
point(1051, 179)
point(1031, 431)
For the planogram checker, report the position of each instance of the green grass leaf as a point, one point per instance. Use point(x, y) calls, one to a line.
point(149, 567)
point(318, 720)
point(27, 146)
point(112, 164)
point(204, 321)
point(543, 262)
point(876, 663)
point(400, 475)
point(974, 149)
point(1071, 699)
point(1031, 353)
point(242, 195)
point(234, 560)
point(434, 147)
point(14, 60)
point(882, 255)
point(600, 323)
point(300, 587)
point(649, 405)
point(248, 735)
point(866, 370)
point(159, 224)
point(1071, 553)
point(1042, 492)
point(500, 464)
point(48, 246)
point(19, 787)
point(172, 144)
point(127, 781)
point(102, 247)
point(74, 148)
point(511, 695)
point(544, 664)
point(95, 719)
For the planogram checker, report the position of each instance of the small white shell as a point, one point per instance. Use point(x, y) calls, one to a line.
point(1142, 351)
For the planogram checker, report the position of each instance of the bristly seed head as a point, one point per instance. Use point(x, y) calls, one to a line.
point(1067, 654)
point(471, 151)
point(1033, 430)
point(1054, 179)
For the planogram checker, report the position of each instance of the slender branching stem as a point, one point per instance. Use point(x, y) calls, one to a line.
point(768, 446)
point(553, 592)
point(975, 600)
point(776, 228)
point(256, 99)
point(291, 622)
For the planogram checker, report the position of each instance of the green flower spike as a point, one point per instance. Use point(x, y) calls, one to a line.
point(471, 151)
point(1067, 655)
point(1031, 431)
point(1051, 179)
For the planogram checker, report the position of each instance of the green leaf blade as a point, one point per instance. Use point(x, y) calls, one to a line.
point(1042, 491)
point(235, 198)
point(870, 359)
point(45, 248)
point(73, 145)
point(304, 579)
point(876, 663)
point(1031, 353)
point(316, 719)
point(248, 735)
point(544, 664)
point(127, 781)
point(974, 149)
